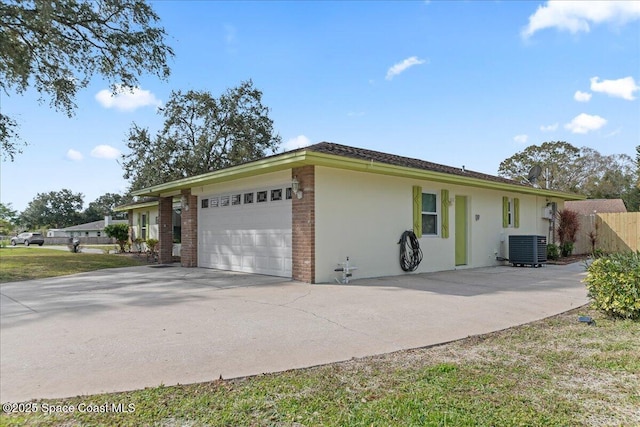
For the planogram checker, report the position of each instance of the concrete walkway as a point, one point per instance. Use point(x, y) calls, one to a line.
point(130, 328)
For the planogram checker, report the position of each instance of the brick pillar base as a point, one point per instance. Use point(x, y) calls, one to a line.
point(189, 240)
point(303, 226)
point(165, 230)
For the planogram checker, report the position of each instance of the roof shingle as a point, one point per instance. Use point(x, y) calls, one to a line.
point(391, 159)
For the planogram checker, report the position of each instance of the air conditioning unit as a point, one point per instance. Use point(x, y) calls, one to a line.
point(527, 250)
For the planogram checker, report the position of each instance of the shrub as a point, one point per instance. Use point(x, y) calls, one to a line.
point(553, 252)
point(138, 242)
point(152, 245)
point(566, 249)
point(613, 282)
point(568, 225)
point(120, 232)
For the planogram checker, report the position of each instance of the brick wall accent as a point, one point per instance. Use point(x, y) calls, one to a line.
point(304, 226)
point(165, 230)
point(189, 239)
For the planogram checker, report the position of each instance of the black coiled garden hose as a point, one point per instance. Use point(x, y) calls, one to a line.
point(410, 252)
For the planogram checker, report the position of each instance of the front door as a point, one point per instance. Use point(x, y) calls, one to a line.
point(461, 230)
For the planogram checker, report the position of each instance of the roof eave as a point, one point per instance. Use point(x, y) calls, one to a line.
point(258, 167)
point(330, 160)
point(308, 157)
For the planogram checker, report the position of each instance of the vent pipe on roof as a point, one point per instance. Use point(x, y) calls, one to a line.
point(107, 220)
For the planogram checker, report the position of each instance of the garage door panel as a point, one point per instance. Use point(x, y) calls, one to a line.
point(248, 239)
point(254, 238)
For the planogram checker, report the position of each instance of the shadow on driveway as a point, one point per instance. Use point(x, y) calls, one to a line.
point(486, 280)
point(136, 327)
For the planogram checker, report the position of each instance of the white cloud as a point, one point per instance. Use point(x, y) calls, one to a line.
point(614, 133)
point(582, 96)
point(74, 155)
point(355, 113)
point(105, 152)
point(549, 128)
point(127, 99)
point(402, 66)
point(521, 139)
point(297, 142)
point(576, 16)
point(621, 88)
point(230, 34)
point(584, 123)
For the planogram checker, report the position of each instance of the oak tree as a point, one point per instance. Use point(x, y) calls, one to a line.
point(201, 133)
point(55, 209)
point(58, 46)
point(104, 206)
point(571, 169)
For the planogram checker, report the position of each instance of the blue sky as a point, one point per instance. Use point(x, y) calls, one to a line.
point(457, 83)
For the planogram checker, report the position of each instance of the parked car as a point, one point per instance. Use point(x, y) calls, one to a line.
point(28, 239)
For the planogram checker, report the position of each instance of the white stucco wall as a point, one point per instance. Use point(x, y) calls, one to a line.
point(362, 216)
point(152, 222)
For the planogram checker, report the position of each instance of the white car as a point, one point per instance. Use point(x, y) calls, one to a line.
point(27, 239)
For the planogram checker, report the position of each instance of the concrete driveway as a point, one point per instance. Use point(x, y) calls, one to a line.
point(124, 329)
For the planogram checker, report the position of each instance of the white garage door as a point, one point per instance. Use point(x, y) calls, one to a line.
point(247, 231)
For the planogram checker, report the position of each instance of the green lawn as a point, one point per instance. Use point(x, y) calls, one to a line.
point(25, 263)
point(554, 372)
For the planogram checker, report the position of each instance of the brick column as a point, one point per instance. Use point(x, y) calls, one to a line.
point(304, 226)
point(189, 250)
point(165, 230)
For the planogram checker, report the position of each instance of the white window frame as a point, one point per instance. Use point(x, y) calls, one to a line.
point(435, 213)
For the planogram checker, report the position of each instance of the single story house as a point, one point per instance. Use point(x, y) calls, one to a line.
point(144, 218)
point(301, 213)
point(90, 229)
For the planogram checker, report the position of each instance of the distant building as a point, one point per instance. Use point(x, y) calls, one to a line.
point(91, 229)
point(593, 206)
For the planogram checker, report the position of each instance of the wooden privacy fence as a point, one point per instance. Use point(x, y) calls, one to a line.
point(615, 232)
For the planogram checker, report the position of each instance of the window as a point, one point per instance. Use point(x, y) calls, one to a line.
point(510, 212)
point(224, 201)
point(204, 204)
point(288, 193)
point(235, 199)
point(262, 196)
point(214, 202)
point(276, 194)
point(248, 198)
point(144, 227)
point(429, 214)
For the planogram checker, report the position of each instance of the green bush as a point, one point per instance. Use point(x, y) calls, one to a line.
point(566, 249)
point(152, 245)
point(120, 232)
point(553, 252)
point(613, 282)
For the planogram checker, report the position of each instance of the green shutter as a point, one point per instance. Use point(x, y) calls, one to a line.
point(505, 212)
point(417, 210)
point(444, 212)
point(516, 213)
